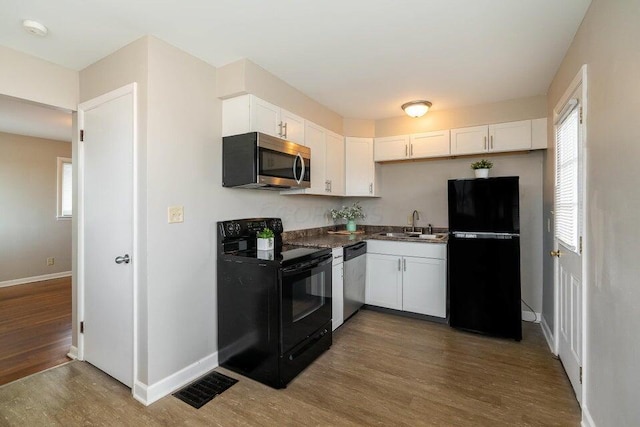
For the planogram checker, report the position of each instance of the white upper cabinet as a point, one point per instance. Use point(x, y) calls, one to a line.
point(391, 148)
point(315, 139)
point(335, 163)
point(248, 113)
point(469, 140)
point(429, 144)
point(512, 136)
point(496, 138)
point(360, 171)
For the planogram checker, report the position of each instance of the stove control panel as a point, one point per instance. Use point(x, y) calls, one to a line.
point(245, 228)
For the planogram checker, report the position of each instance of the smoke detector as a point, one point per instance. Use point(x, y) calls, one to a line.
point(34, 27)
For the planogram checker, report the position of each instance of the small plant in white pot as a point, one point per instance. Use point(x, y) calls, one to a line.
point(481, 168)
point(265, 239)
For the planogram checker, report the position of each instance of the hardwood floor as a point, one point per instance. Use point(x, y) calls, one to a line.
point(382, 370)
point(35, 327)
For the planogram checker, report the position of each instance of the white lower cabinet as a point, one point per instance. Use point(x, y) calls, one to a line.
point(337, 288)
point(407, 276)
point(384, 281)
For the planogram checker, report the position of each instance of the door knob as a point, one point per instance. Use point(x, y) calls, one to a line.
point(123, 259)
point(556, 253)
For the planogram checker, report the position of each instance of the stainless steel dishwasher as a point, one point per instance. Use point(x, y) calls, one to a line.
point(355, 267)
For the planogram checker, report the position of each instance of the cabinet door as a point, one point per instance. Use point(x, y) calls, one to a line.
point(429, 144)
point(293, 127)
point(265, 117)
point(315, 139)
point(337, 295)
point(359, 167)
point(511, 136)
point(469, 140)
point(335, 163)
point(384, 281)
point(391, 148)
point(424, 286)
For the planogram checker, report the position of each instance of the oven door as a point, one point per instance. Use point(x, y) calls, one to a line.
point(306, 300)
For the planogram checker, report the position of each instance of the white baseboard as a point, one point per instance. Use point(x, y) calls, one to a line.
point(34, 279)
point(73, 352)
point(587, 420)
point(148, 394)
point(548, 335)
point(530, 316)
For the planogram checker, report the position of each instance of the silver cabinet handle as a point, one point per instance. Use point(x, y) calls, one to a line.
point(285, 131)
point(411, 150)
point(484, 145)
point(371, 188)
point(123, 259)
point(404, 264)
point(280, 126)
point(406, 151)
point(399, 264)
point(330, 187)
point(491, 138)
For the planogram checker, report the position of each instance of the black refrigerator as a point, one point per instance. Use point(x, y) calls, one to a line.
point(484, 256)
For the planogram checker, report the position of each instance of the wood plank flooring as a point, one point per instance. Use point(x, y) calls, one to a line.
point(382, 370)
point(35, 327)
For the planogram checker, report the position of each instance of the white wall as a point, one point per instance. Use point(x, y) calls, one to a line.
point(607, 41)
point(406, 186)
point(29, 230)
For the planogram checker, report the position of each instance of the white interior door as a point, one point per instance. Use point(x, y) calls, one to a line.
point(568, 238)
point(107, 200)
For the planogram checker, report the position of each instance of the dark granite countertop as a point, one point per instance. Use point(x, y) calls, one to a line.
point(319, 237)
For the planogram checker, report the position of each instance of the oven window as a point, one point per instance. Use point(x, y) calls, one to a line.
point(276, 164)
point(307, 295)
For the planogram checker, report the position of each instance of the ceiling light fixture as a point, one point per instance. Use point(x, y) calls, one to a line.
point(416, 108)
point(34, 27)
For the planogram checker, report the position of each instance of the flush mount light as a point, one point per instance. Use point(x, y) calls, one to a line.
point(416, 108)
point(34, 27)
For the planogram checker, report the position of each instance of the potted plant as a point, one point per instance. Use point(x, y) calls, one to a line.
point(265, 239)
point(481, 168)
point(350, 213)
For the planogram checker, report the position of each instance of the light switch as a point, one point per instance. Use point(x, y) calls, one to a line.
point(176, 214)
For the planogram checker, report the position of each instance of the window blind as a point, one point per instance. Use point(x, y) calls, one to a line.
point(567, 209)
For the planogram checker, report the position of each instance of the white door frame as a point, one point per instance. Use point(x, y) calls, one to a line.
point(132, 89)
point(579, 79)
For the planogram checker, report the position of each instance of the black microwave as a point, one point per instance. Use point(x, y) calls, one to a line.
point(258, 160)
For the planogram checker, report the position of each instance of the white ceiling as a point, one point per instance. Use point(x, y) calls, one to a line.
point(361, 58)
point(27, 118)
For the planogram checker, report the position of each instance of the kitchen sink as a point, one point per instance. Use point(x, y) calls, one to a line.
point(414, 235)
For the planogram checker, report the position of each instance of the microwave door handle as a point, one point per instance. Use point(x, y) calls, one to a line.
point(298, 180)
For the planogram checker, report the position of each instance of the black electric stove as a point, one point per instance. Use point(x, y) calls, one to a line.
point(274, 307)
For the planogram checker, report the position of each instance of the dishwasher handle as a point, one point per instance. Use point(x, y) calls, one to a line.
point(355, 250)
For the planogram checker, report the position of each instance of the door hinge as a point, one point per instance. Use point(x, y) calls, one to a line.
point(580, 115)
point(82, 135)
point(580, 374)
point(580, 245)
point(82, 327)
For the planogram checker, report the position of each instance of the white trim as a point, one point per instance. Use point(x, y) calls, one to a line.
point(531, 316)
point(587, 419)
point(32, 279)
point(73, 352)
point(546, 331)
point(148, 394)
point(132, 89)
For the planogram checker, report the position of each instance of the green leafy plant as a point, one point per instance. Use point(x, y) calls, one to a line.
point(348, 212)
point(266, 233)
point(482, 164)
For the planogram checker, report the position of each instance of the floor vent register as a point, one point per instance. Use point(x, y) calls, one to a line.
point(203, 390)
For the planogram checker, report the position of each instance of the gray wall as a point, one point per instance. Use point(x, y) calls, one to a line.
point(29, 230)
point(423, 186)
point(607, 41)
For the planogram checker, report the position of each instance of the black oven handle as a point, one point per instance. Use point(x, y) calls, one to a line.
point(309, 265)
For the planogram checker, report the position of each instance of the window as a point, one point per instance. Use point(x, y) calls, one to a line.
point(64, 188)
point(567, 211)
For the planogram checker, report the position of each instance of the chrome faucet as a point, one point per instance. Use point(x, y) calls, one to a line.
point(414, 217)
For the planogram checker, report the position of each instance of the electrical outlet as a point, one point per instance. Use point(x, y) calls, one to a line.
point(51, 261)
point(176, 214)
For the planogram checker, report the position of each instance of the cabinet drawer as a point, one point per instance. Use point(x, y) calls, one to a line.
point(425, 250)
point(338, 255)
